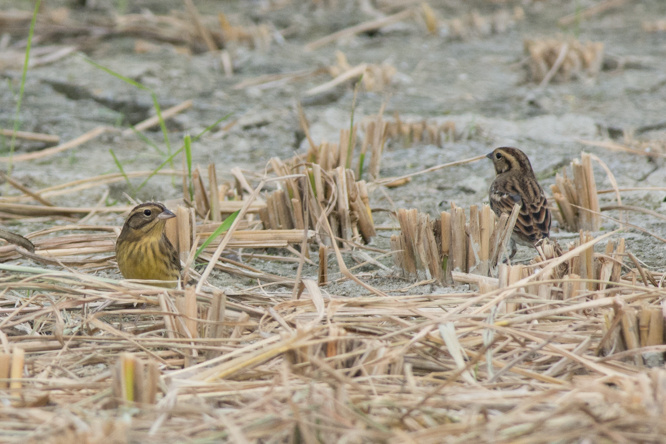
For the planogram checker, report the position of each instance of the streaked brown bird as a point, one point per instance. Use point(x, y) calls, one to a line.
point(143, 251)
point(516, 183)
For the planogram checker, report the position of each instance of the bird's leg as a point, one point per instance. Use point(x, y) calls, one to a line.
point(513, 247)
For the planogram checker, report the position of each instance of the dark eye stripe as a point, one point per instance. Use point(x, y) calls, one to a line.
point(139, 218)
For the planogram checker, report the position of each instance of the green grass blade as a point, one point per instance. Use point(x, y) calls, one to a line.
point(140, 86)
point(210, 127)
point(143, 137)
point(28, 46)
point(224, 226)
point(350, 148)
point(361, 159)
point(162, 165)
point(312, 182)
point(165, 133)
point(115, 74)
point(10, 85)
point(188, 158)
point(158, 109)
point(122, 171)
point(188, 154)
point(171, 157)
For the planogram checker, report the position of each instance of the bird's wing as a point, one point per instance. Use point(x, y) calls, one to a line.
point(534, 218)
point(175, 259)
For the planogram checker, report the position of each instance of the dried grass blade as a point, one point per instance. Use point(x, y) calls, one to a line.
point(448, 333)
point(227, 237)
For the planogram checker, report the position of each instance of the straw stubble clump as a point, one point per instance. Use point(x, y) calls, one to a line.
point(470, 25)
point(451, 245)
point(576, 199)
point(562, 59)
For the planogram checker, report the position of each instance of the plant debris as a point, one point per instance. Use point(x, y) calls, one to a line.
point(562, 59)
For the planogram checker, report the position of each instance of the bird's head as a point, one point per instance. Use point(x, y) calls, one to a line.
point(507, 159)
point(148, 219)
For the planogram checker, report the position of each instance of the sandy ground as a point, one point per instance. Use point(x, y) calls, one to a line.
point(479, 83)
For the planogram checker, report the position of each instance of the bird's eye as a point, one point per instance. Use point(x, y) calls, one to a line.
point(498, 156)
point(147, 212)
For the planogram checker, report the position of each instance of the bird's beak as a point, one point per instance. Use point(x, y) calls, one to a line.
point(490, 156)
point(166, 214)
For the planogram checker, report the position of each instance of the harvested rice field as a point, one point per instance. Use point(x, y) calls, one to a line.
point(344, 278)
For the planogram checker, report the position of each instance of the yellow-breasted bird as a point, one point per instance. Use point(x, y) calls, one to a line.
point(143, 250)
point(516, 183)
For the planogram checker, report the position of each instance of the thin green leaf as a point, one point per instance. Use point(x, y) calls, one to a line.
point(140, 86)
point(350, 148)
point(122, 171)
point(22, 88)
point(188, 153)
point(171, 157)
point(10, 85)
point(116, 75)
point(162, 165)
point(158, 110)
point(361, 159)
point(210, 127)
point(143, 137)
point(224, 226)
point(312, 182)
point(188, 159)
